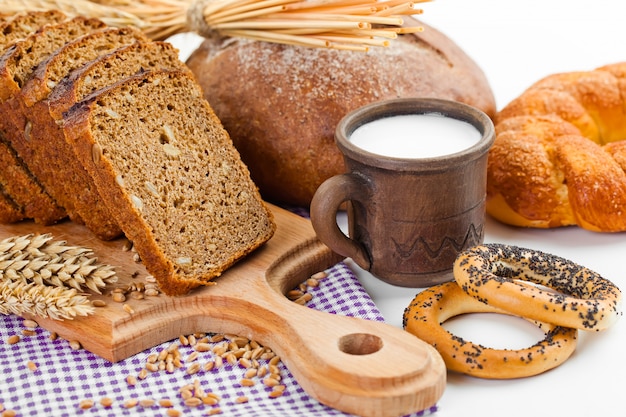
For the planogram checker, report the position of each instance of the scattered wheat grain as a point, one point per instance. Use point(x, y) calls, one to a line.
point(106, 402)
point(86, 404)
point(30, 324)
point(320, 275)
point(131, 403)
point(194, 368)
point(166, 403)
point(275, 394)
point(147, 402)
point(247, 382)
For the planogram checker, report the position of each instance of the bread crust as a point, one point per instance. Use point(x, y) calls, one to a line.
point(281, 103)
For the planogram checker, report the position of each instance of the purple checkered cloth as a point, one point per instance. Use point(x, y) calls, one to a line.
point(64, 377)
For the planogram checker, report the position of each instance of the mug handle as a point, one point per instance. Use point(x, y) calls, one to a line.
point(324, 206)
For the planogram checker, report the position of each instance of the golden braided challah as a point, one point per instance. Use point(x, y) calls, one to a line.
point(559, 157)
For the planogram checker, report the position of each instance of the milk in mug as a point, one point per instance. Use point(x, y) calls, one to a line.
point(413, 136)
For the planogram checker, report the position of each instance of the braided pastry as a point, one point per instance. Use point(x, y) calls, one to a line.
point(559, 156)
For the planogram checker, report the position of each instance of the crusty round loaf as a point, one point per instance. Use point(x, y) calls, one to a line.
point(559, 157)
point(281, 103)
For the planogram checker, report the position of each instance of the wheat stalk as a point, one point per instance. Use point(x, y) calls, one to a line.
point(43, 261)
point(54, 302)
point(339, 24)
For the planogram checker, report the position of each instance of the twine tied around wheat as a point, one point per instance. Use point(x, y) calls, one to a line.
point(338, 24)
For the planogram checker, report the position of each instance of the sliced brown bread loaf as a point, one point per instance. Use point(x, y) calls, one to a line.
point(74, 55)
point(9, 211)
point(111, 68)
point(44, 149)
point(21, 196)
point(12, 29)
point(172, 177)
point(16, 65)
point(20, 60)
point(21, 25)
point(25, 190)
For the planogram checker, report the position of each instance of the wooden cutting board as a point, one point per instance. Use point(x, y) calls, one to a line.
point(357, 366)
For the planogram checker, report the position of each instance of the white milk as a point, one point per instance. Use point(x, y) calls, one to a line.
point(415, 136)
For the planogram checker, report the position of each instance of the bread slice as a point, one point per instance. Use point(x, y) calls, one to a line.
point(16, 65)
point(23, 24)
point(109, 69)
point(172, 177)
point(20, 60)
point(9, 211)
point(74, 55)
point(24, 190)
point(44, 149)
point(21, 196)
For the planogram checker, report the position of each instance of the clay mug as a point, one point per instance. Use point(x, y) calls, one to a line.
point(408, 216)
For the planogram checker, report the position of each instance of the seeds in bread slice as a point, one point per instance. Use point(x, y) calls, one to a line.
point(44, 149)
point(109, 69)
point(172, 177)
point(73, 55)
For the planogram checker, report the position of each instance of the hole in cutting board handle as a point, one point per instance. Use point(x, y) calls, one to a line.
point(360, 344)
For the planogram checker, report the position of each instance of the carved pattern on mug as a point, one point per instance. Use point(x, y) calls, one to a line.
point(406, 250)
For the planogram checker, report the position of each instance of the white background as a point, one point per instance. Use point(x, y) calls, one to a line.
point(516, 43)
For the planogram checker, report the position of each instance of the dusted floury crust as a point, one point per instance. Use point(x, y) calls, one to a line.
point(281, 104)
point(559, 158)
point(171, 176)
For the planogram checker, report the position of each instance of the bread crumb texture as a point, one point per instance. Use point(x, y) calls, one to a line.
point(175, 165)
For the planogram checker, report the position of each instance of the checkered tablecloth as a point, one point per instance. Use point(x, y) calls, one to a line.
point(65, 377)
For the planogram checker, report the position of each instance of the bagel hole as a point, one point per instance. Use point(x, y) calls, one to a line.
point(360, 344)
point(539, 286)
point(496, 331)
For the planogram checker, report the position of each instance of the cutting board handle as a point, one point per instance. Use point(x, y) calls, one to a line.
point(358, 366)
